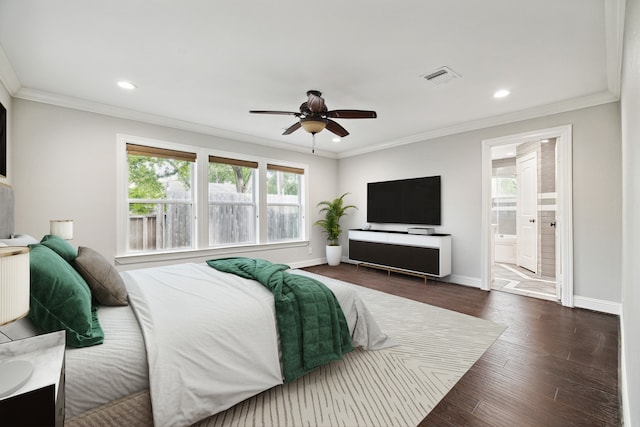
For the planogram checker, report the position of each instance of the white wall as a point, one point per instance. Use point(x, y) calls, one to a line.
point(630, 112)
point(65, 168)
point(457, 158)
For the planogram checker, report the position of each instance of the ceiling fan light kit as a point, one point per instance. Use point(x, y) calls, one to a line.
point(313, 126)
point(314, 116)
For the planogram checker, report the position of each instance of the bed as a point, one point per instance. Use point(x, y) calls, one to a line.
point(240, 360)
point(182, 342)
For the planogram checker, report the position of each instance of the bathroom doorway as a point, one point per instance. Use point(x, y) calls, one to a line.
point(523, 218)
point(545, 271)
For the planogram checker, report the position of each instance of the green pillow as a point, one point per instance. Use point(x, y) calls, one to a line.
point(61, 299)
point(60, 246)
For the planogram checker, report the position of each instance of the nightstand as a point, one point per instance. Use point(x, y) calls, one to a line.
point(40, 401)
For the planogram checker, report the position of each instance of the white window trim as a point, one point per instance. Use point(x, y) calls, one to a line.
point(201, 241)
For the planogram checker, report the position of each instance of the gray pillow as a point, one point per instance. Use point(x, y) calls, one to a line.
point(104, 280)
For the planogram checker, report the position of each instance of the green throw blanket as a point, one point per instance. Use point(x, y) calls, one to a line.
point(311, 324)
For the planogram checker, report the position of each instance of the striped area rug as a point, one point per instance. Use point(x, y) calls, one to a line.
point(396, 386)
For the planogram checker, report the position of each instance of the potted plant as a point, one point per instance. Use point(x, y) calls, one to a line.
point(333, 211)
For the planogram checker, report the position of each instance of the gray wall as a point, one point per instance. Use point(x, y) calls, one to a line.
point(65, 167)
point(630, 112)
point(457, 158)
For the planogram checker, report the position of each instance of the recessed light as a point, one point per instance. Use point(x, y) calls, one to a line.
point(336, 139)
point(501, 93)
point(126, 85)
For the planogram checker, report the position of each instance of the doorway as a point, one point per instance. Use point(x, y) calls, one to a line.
point(523, 218)
point(538, 273)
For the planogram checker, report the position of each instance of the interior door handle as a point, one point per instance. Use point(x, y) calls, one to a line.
point(532, 220)
point(553, 224)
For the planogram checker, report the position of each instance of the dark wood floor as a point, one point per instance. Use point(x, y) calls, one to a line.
point(552, 366)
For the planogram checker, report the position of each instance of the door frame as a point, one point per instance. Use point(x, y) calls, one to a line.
point(564, 211)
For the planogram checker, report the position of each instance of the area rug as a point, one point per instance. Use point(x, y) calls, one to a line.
point(396, 386)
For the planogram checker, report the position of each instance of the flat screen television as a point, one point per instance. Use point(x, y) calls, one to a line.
point(405, 201)
point(3, 141)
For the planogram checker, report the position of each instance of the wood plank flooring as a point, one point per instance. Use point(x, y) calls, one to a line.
point(553, 366)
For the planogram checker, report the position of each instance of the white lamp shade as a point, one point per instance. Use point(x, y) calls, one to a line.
point(14, 283)
point(61, 228)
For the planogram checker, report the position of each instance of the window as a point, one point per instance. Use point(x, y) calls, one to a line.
point(160, 199)
point(179, 198)
point(232, 201)
point(503, 198)
point(284, 203)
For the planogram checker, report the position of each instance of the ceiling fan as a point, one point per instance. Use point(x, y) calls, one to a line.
point(315, 117)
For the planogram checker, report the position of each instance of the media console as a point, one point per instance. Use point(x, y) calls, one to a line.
point(423, 255)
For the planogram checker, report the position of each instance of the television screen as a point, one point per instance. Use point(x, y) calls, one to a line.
point(3, 141)
point(405, 201)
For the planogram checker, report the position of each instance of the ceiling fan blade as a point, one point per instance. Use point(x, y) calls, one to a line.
point(336, 128)
point(288, 113)
point(294, 127)
point(351, 114)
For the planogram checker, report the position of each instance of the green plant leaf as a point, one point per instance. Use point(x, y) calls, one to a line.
point(333, 211)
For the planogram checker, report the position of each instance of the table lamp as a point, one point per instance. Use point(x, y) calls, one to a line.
point(61, 228)
point(14, 305)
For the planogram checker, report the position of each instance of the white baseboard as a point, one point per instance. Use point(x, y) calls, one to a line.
point(307, 263)
point(597, 305)
point(458, 279)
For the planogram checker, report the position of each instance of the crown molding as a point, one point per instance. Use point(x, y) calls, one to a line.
point(592, 100)
point(603, 97)
point(128, 114)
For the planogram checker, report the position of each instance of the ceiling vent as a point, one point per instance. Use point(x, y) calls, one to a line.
point(441, 76)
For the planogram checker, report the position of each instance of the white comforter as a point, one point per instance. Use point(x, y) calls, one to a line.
point(211, 337)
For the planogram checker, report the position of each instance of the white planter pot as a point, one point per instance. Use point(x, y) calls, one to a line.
point(334, 254)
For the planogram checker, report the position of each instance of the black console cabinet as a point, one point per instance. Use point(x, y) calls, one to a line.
point(422, 254)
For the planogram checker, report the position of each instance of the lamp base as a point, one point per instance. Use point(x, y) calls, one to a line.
point(13, 375)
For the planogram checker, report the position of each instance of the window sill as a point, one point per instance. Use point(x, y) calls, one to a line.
point(194, 255)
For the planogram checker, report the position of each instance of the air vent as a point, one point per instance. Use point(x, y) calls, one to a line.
point(441, 76)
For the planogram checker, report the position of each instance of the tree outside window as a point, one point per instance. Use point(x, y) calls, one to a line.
point(160, 200)
point(238, 202)
point(232, 201)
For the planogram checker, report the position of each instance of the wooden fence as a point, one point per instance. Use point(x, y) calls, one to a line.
point(173, 229)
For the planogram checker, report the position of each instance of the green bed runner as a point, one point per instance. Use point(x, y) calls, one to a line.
point(311, 324)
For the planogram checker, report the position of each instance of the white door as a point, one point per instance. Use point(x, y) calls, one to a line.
point(527, 216)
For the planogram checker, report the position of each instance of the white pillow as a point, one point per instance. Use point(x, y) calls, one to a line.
point(19, 240)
